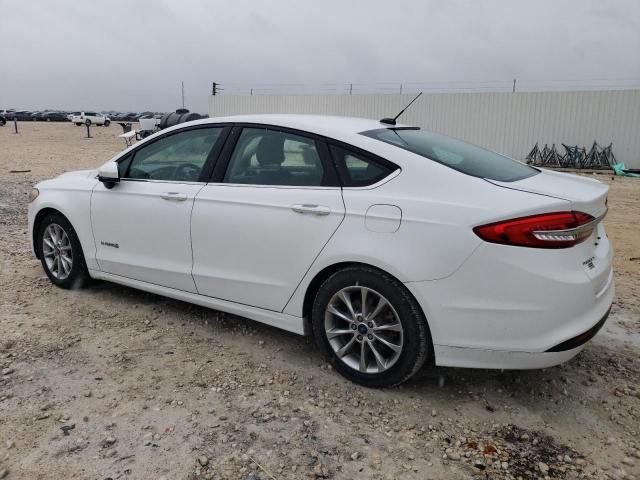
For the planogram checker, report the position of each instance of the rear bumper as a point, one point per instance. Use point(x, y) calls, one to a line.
point(534, 309)
point(581, 339)
point(500, 359)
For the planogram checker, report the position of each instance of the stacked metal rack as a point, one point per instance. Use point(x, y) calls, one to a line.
point(598, 157)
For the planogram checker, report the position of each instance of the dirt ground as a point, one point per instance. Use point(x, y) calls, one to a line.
point(108, 382)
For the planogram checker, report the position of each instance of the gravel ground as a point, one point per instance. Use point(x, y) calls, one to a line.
point(109, 382)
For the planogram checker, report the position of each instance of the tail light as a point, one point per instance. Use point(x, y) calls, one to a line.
point(548, 230)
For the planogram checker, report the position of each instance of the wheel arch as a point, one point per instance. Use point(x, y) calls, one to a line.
point(37, 220)
point(326, 272)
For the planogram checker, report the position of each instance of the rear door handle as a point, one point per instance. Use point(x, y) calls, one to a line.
point(175, 196)
point(312, 209)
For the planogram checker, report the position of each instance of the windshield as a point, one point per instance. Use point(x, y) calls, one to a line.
point(461, 156)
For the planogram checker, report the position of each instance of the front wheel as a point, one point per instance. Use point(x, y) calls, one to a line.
point(370, 327)
point(107, 123)
point(61, 253)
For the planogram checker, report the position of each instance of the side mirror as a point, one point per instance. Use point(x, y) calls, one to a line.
point(108, 174)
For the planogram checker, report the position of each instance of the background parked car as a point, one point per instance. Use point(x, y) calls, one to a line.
point(91, 118)
point(7, 114)
point(22, 115)
point(54, 116)
point(131, 117)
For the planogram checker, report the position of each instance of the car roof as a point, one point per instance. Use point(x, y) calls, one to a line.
point(332, 126)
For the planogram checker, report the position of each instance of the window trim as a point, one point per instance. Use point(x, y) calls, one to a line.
point(220, 169)
point(209, 163)
point(375, 159)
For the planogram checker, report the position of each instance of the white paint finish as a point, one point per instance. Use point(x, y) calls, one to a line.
point(435, 237)
point(250, 246)
point(276, 319)
point(70, 194)
point(383, 218)
point(97, 119)
point(585, 194)
point(522, 299)
point(152, 233)
point(500, 359)
point(509, 123)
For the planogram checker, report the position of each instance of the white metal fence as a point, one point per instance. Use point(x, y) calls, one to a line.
point(509, 123)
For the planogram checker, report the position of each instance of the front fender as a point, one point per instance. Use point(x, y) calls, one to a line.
point(73, 200)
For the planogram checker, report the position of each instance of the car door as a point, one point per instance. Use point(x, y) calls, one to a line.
point(272, 206)
point(141, 226)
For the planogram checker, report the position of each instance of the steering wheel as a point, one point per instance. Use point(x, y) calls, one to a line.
point(187, 171)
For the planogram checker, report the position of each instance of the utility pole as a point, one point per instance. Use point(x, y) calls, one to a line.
point(182, 94)
point(514, 85)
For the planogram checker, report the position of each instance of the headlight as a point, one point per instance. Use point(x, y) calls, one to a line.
point(34, 194)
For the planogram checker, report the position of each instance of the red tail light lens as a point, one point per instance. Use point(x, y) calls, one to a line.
point(549, 230)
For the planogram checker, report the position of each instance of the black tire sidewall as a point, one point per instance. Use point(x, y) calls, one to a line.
point(416, 340)
point(79, 274)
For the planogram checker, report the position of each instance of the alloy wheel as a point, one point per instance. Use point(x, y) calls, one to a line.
point(57, 251)
point(363, 329)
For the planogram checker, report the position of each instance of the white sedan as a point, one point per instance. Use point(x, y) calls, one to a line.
point(392, 245)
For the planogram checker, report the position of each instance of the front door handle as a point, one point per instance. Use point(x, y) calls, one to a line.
point(312, 209)
point(175, 196)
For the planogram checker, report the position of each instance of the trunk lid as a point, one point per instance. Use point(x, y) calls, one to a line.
point(585, 194)
point(594, 255)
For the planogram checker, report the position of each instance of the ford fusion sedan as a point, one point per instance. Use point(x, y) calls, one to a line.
point(393, 246)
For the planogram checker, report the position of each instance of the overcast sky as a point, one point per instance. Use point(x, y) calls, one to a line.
point(132, 55)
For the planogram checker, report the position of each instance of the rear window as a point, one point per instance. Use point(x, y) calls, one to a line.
point(461, 156)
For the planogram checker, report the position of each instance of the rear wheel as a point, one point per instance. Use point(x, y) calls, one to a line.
point(370, 327)
point(61, 253)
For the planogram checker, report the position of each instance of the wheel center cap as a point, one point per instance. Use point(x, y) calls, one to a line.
point(363, 329)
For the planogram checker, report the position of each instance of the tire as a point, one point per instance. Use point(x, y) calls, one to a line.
point(107, 123)
point(87, 122)
point(411, 341)
point(77, 275)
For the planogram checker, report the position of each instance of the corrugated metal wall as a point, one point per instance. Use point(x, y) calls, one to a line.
point(509, 123)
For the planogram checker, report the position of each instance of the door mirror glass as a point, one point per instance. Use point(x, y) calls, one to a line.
point(108, 174)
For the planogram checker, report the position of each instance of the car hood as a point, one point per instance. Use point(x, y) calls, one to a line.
point(585, 194)
point(79, 174)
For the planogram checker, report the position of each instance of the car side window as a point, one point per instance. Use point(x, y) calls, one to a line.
point(358, 170)
point(179, 157)
point(269, 157)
